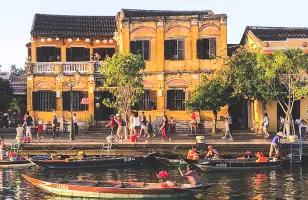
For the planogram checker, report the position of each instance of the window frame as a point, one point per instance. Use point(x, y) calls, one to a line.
point(174, 52)
point(141, 50)
point(208, 49)
point(84, 58)
point(53, 54)
point(176, 103)
point(148, 100)
point(48, 103)
point(77, 97)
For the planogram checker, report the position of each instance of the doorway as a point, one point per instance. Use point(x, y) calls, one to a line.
point(295, 112)
point(239, 114)
point(102, 112)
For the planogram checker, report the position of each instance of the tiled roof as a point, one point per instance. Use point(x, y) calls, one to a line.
point(72, 26)
point(277, 33)
point(232, 48)
point(163, 13)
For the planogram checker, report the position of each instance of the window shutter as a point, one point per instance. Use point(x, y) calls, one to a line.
point(169, 99)
point(53, 100)
point(86, 54)
point(69, 54)
point(34, 100)
point(167, 49)
point(180, 50)
point(133, 47)
point(146, 50)
point(199, 49)
point(153, 100)
point(212, 47)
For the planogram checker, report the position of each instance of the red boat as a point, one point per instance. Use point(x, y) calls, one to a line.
point(116, 190)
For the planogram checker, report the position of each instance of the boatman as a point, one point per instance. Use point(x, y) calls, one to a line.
point(193, 154)
point(191, 175)
point(275, 144)
point(211, 152)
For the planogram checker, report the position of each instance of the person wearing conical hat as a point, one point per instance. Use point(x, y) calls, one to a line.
point(275, 144)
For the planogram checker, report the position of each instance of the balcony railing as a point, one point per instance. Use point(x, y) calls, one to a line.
point(65, 67)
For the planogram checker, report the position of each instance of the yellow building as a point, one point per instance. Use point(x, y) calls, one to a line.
point(268, 39)
point(177, 46)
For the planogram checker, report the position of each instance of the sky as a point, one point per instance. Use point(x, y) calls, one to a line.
point(16, 17)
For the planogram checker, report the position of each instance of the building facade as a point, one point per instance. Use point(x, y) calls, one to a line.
point(177, 46)
point(267, 40)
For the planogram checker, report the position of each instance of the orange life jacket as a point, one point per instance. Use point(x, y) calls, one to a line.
point(192, 155)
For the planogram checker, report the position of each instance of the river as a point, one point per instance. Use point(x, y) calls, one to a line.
point(290, 183)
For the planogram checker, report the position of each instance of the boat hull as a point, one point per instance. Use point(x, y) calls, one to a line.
point(15, 164)
point(148, 191)
point(90, 163)
point(177, 162)
point(235, 164)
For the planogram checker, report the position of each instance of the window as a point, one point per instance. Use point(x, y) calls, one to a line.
point(206, 48)
point(48, 54)
point(141, 47)
point(102, 53)
point(44, 100)
point(147, 101)
point(77, 54)
point(175, 100)
point(174, 49)
point(77, 96)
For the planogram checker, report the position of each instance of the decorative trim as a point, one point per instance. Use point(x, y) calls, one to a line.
point(177, 83)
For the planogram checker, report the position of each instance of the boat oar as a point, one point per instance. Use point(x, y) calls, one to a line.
point(34, 164)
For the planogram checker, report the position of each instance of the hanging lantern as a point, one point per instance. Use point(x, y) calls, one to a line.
point(110, 40)
point(57, 39)
point(69, 39)
point(49, 39)
point(77, 39)
point(105, 41)
point(43, 40)
point(97, 41)
point(87, 40)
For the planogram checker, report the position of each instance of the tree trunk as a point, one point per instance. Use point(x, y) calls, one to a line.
point(214, 122)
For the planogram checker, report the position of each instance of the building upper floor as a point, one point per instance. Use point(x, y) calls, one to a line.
point(268, 39)
point(166, 40)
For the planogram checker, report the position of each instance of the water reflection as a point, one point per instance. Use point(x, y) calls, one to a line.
point(282, 184)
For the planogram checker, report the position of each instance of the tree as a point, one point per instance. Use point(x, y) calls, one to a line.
point(6, 94)
point(123, 80)
point(280, 76)
point(212, 94)
point(16, 71)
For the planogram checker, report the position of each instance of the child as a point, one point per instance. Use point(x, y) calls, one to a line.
point(227, 131)
point(19, 134)
point(40, 129)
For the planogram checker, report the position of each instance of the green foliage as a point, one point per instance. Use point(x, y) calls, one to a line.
point(123, 80)
point(90, 121)
point(212, 94)
point(6, 94)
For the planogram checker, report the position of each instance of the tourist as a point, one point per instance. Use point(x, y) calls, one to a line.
point(172, 126)
point(164, 129)
point(275, 144)
point(193, 154)
point(19, 134)
point(144, 130)
point(150, 127)
point(120, 129)
point(211, 152)
point(260, 157)
point(28, 123)
point(227, 130)
point(111, 124)
point(54, 125)
point(136, 124)
point(301, 124)
point(265, 125)
point(5, 120)
point(131, 123)
point(193, 123)
point(40, 130)
point(2, 151)
point(75, 122)
point(281, 123)
point(191, 175)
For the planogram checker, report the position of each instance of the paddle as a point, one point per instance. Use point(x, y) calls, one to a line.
point(34, 164)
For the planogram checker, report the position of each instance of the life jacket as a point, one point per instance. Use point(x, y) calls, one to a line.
point(192, 155)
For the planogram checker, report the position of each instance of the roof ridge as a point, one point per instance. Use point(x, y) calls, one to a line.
point(60, 15)
point(276, 27)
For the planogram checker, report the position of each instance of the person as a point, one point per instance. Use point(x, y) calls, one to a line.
point(193, 123)
point(211, 152)
point(301, 124)
point(164, 129)
point(275, 144)
point(172, 126)
point(120, 129)
point(2, 151)
point(150, 127)
point(265, 125)
point(131, 123)
point(54, 125)
point(281, 123)
point(40, 130)
point(227, 131)
point(19, 134)
point(5, 120)
point(111, 124)
point(193, 154)
point(246, 155)
point(260, 157)
point(144, 130)
point(28, 123)
point(136, 124)
point(191, 175)
point(75, 121)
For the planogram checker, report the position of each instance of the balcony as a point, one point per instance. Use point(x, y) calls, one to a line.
point(49, 68)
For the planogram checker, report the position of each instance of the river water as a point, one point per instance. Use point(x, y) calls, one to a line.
point(290, 183)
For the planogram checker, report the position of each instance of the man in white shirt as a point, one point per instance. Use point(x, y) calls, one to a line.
point(301, 124)
point(265, 125)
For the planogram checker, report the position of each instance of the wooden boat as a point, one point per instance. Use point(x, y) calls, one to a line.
point(15, 164)
point(90, 162)
point(170, 162)
point(234, 164)
point(116, 190)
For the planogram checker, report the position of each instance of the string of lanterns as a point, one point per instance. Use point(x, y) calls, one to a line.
point(69, 40)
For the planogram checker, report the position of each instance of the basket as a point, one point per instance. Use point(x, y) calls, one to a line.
point(293, 138)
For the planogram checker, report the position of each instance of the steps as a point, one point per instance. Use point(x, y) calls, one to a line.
point(296, 150)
